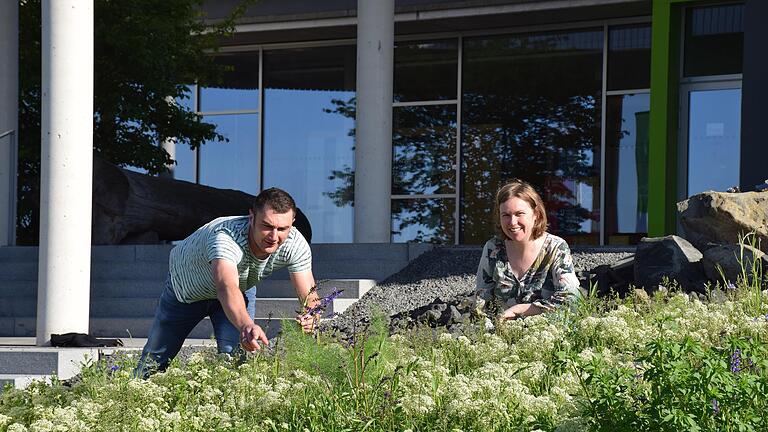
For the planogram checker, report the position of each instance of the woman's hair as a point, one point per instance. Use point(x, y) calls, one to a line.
point(521, 189)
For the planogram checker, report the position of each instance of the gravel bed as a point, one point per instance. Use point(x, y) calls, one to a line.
point(443, 273)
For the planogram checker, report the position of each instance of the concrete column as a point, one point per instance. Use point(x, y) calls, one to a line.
point(373, 140)
point(63, 291)
point(9, 108)
point(169, 145)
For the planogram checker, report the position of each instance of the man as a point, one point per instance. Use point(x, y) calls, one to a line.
point(210, 270)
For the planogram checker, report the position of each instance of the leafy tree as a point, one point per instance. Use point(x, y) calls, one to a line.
point(145, 54)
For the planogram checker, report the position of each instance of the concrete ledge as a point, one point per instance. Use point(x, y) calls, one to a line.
point(21, 381)
point(65, 363)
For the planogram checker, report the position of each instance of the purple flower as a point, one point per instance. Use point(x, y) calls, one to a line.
point(113, 368)
point(715, 407)
point(323, 303)
point(730, 286)
point(736, 361)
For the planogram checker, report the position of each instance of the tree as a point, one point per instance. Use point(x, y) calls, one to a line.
point(146, 52)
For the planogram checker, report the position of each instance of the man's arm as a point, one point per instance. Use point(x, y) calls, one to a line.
point(231, 299)
point(303, 283)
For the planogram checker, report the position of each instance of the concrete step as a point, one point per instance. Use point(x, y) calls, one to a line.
point(353, 288)
point(126, 328)
point(20, 381)
point(18, 271)
point(131, 307)
point(65, 363)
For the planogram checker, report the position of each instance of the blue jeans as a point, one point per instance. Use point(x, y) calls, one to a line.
point(174, 321)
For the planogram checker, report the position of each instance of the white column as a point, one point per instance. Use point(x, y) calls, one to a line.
point(373, 140)
point(63, 289)
point(9, 100)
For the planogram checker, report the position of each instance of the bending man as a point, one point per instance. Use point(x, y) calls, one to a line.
point(211, 269)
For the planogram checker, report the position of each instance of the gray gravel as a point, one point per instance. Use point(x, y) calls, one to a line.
point(444, 273)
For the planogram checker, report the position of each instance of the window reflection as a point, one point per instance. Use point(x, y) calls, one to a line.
point(423, 220)
point(714, 136)
point(424, 149)
point(309, 121)
point(626, 165)
point(531, 109)
point(239, 88)
point(186, 164)
point(714, 40)
point(233, 164)
point(425, 71)
point(629, 57)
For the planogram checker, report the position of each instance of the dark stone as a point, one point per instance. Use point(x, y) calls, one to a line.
point(672, 257)
point(730, 259)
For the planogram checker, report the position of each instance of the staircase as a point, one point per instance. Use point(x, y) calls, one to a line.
point(126, 282)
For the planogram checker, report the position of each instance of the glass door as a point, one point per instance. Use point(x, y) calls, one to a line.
point(712, 137)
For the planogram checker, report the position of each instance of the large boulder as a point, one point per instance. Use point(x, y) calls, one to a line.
point(671, 257)
point(730, 259)
point(720, 218)
point(134, 208)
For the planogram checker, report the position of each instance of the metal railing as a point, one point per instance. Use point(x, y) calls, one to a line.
point(12, 168)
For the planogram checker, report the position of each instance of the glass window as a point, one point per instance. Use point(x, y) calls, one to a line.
point(423, 220)
point(309, 123)
point(714, 136)
point(714, 40)
point(424, 150)
point(186, 164)
point(425, 71)
point(531, 110)
point(233, 164)
point(626, 167)
point(629, 57)
point(239, 88)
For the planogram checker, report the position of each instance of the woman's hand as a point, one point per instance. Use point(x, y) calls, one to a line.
point(520, 310)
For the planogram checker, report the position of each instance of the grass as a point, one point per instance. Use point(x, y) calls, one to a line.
point(662, 363)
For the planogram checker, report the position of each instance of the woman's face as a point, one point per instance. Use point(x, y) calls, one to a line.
point(517, 219)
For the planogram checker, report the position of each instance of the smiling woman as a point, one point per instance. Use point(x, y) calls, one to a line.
point(524, 270)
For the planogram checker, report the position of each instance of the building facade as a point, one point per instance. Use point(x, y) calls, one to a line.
point(613, 109)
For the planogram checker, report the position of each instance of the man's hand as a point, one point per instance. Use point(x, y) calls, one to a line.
point(251, 335)
point(308, 322)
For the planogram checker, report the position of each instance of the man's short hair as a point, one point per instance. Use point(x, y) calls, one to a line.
point(276, 199)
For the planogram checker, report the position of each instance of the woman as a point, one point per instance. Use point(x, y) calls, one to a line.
point(524, 270)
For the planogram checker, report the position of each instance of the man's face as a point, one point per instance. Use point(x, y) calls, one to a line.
point(269, 230)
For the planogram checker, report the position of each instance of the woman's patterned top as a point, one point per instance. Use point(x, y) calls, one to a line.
point(549, 283)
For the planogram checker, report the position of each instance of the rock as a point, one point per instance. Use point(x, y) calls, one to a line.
point(613, 278)
point(641, 296)
point(135, 208)
point(672, 257)
point(730, 259)
point(720, 218)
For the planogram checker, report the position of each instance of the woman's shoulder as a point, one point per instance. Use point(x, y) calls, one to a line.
point(556, 243)
point(494, 243)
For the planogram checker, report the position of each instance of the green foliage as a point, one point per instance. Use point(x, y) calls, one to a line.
point(681, 385)
point(666, 363)
point(146, 52)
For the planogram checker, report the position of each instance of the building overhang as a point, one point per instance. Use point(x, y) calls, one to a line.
point(275, 22)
